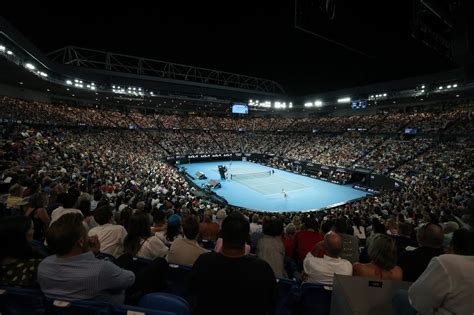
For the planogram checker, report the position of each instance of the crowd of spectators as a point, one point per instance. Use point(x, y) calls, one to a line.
point(106, 190)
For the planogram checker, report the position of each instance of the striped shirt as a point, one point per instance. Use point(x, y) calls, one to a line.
point(83, 277)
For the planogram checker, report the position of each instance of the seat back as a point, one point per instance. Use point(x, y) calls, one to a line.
point(208, 244)
point(105, 256)
point(315, 299)
point(360, 295)
point(122, 309)
point(16, 301)
point(84, 307)
point(139, 264)
point(178, 280)
point(165, 302)
point(287, 295)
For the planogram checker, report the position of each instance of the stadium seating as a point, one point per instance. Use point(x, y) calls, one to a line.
point(57, 307)
point(122, 309)
point(359, 295)
point(20, 301)
point(14, 301)
point(315, 299)
point(166, 302)
point(288, 291)
point(178, 278)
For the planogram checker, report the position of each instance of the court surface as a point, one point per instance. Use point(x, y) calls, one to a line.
point(252, 188)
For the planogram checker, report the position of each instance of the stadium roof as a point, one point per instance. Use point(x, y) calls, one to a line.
point(255, 38)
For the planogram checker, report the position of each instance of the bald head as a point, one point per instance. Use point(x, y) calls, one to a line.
point(430, 235)
point(333, 244)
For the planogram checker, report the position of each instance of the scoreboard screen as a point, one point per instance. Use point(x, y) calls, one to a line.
point(359, 104)
point(240, 108)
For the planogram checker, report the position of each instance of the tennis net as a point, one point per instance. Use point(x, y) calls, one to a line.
point(250, 175)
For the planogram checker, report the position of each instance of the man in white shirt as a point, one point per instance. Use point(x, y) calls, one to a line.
point(322, 270)
point(111, 236)
point(446, 285)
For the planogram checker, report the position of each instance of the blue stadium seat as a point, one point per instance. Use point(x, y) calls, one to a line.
point(17, 301)
point(165, 302)
point(105, 256)
point(178, 280)
point(84, 307)
point(315, 299)
point(287, 296)
point(123, 309)
point(39, 245)
point(208, 244)
point(140, 263)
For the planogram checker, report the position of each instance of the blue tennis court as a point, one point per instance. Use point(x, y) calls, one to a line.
point(259, 187)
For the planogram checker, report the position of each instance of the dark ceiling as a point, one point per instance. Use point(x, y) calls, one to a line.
point(255, 38)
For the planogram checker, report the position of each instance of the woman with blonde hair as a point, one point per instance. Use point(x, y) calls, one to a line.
point(383, 255)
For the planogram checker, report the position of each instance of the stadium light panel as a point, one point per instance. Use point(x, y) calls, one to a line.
point(449, 86)
point(423, 86)
point(43, 74)
point(344, 100)
point(2, 48)
point(9, 52)
point(455, 85)
point(92, 87)
point(384, 94)
point(30, 66)
point(308, 104)
point(76, 80)
point(318, 103)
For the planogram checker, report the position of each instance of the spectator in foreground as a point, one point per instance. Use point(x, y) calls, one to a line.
point(289, 240)
point(36, 210)
point(413, 263)
point(18, 262)
point(140, 241)
point(350, 247)
point(446, 286)
point(232, 282)
point(383, 254)
point(111, 236)
point(404, 239)
point(307, 238)
point(73, 273)
point(208, 230)
point(322, 270)
point(159, 221)
point(185, 251)
point(270, 247)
